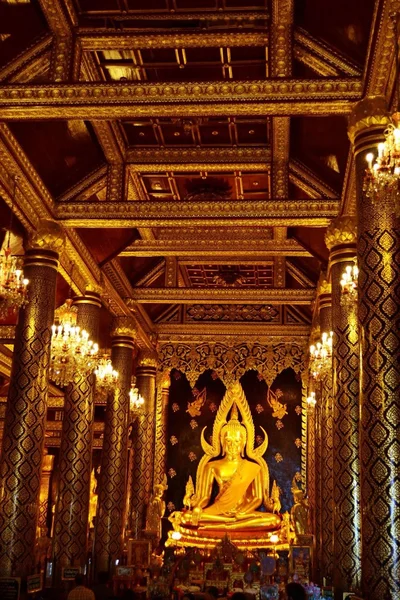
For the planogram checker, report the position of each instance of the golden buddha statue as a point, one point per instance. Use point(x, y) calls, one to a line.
point(242, 477)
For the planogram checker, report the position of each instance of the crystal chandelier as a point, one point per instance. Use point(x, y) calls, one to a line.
point(72, 352)
point(136, 401)
point(321, 356)
point(13, 285)
point(106, 376)
point(382, 176)
point(349, 283)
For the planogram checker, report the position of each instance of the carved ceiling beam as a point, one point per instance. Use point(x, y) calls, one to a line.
point(314, 213)
point(122, 40)
point(86, 187)
point(26, 64)
point(231, 295)
point(281, 53)
point(157, 156)
point(306, 180)
point(117, 277)
point(216, 167)
point(204, 15)
point(215, 248)
point(380, 78)
point(33, 202)
point(281, 67)
point(349, 196)
point(379, 67)
point(96, 101)
point(321, 57)
point(237, 332)
point(66, 54)
point(299, 275)
point(118, 185)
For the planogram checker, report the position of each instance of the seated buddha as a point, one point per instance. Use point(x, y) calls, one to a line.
point(241, 475)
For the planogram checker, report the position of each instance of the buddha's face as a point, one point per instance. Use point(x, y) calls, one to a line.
point(233, 443)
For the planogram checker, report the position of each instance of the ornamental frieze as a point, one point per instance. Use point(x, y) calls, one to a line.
point(248, 313)
point(230, 361)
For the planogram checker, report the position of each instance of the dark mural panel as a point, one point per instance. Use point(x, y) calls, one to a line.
point(184, 451)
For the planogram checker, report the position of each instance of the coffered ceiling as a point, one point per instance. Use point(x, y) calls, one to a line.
point(195, 150)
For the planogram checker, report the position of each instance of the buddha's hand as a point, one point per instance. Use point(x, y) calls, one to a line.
point(194, 500)
point(196, 514)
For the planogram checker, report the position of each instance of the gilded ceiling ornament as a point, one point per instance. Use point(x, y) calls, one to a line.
point(369, 112)
point(341, 231)
point(49, 235)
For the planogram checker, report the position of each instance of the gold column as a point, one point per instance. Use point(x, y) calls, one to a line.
point(341, 239)
point(47, 468)
point(326, 424)
point(72, 509)
point(163, 385)
point(378, 246)
point(25, 419)
point(143, 454)
point(113, 474)
point(318, 485)
point(311, 459)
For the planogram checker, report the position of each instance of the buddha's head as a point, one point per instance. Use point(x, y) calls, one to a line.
point(233, 436)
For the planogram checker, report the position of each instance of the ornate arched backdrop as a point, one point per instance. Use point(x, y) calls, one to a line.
point(283, 454)
point(229, 361)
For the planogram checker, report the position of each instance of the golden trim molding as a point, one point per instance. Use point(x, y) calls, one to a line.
point(229, 332)
point(221, 295)
point(160, 213)
point(256, 248)
point(120, 40)
point(117, 100)
point(222, 156)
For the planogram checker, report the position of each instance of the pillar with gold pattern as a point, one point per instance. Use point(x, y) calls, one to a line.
point(378, 250)
point(163, 385)
point(25, 419)
point(112, 486)
point(326, 424)
point(341, 239)
point(311, 457)
point(72, 508)
point(47, 469)
point(143, 454)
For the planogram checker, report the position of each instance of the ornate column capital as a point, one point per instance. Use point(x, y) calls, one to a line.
point(123, 326)
point(48, 236)
point(90, 297)
point(147, 358)
point(341, 240)
point(95, 288)
point(341, 231)
point(324, 287)
point(369, 112)
point(123, 332)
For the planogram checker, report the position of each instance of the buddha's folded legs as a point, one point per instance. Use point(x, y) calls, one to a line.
point(266, 521)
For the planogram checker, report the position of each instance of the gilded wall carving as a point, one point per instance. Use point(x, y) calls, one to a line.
point(230, 361)
point(233, 312)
